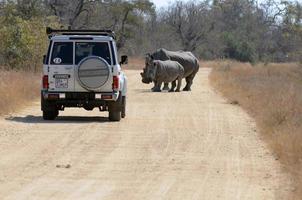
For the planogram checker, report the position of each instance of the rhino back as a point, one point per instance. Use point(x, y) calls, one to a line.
point(168, 70)
point(185, 58)
point(160, 54)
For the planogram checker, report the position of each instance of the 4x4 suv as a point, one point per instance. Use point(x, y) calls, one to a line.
point(81, 69)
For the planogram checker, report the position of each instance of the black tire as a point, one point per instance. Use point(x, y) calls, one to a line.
point(50, 112)
point(114, 116)
point(50, 115)
point(123, 114)
point(115, 110)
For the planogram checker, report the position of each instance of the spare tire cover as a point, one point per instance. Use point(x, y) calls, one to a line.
point(93, 72)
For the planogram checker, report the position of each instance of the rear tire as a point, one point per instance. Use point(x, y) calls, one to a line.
point(115, 116)
point(115, 110)
point(50, 115)
point(123, 107)
point(50, 112)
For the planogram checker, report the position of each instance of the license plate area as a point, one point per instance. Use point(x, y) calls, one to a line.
point(61, 80)
point(61, 83)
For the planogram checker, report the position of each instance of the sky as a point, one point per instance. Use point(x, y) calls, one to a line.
point(163, 3)
point(160, 3)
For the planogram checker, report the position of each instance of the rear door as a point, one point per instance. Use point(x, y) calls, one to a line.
point(84, 49)
point(61, 67)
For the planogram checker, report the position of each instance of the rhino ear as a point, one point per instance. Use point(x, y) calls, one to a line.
point(149, 57)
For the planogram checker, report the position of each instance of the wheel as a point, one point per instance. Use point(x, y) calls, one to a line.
point(115, 110)
point(115, 116)
point(123, 107)
point(50, 112)
point(50, 115)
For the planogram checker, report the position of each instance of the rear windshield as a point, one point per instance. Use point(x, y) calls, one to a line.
point(84, 49)
point(62, 53)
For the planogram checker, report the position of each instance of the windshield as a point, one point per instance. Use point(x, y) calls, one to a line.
point(84, 49)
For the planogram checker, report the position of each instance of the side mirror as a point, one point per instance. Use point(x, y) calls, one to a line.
point(124, 60)
point(44, 59)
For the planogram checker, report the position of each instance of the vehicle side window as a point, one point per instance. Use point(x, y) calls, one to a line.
point(62, 53)
point(46, 60)
point(85, 49)
point(112, 53)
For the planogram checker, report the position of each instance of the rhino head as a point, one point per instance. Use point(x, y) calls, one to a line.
point(146, 75)
point(145, 78)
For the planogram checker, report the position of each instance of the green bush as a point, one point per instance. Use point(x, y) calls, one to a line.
point(23, 41)
point(239, 49)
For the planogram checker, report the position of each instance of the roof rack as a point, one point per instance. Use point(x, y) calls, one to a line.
point(51, 32)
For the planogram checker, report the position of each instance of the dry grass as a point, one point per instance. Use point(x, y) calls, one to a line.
point(272, 94)
point(17, 89)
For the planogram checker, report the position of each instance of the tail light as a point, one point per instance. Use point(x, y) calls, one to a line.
point(45, 82)
point(116, 83)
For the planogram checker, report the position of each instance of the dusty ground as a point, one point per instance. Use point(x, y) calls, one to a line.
point(171, 146)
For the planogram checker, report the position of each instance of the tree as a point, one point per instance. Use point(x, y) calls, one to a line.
point(245, 30)
point(23, 38)
point(69, 11)
point(191, 22)
point(28, 9)
point(291, 31)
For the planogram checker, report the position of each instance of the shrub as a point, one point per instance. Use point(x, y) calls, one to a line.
point(23, 41)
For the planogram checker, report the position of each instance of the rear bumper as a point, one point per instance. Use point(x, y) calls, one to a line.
point(74, 96)
point(77, 99)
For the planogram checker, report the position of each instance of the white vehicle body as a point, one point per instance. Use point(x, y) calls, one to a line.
point(63, 76)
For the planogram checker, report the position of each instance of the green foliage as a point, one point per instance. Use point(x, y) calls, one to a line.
point(238, 29)
point(23, 41)
point(239, 50)
point(129, 15)
point(292, 31)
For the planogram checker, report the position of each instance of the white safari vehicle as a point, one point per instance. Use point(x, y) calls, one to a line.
point(81, 69)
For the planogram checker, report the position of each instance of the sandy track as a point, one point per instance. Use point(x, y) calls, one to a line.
point(171, 146)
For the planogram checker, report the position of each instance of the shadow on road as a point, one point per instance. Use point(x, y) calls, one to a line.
point(31, 119)
point(149, 91)
point(143, 90)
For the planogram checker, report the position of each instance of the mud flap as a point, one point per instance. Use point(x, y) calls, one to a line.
point(116, 106)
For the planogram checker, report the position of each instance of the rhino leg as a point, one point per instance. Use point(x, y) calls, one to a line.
point(154, 86)
point(157, 87)
point(189, 81)
point(166, 86)
point(173, 86)
point(178, 84)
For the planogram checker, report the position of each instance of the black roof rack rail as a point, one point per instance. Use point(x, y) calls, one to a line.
point(51, 32)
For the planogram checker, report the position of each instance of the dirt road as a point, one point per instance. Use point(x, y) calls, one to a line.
point(171, 146)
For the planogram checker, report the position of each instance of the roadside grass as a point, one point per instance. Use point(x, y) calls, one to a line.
point(17, 88)
point(272, 94)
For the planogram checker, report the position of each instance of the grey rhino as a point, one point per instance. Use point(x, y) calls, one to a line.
point(146, 79)
point(186, 59)
point(165, 72)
